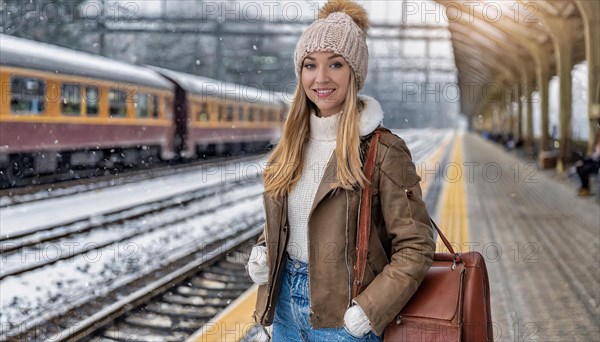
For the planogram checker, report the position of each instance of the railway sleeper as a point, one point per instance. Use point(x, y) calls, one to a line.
point(156, 321)
point(129, 333)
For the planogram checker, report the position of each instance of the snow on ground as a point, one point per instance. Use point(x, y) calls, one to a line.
point(53, 212)
point(78, 279)
point(71, 245)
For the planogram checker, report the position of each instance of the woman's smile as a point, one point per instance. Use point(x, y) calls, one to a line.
point(324, 92)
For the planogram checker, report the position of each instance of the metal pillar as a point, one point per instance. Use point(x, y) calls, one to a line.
point(528, 92)
point(542, 70)
point(519, 124)
point(562, 39)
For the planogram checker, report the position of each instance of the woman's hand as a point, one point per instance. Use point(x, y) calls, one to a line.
point(356, 321)
point(257, 265)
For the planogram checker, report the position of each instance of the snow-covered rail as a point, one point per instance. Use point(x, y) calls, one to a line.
point(168, 305)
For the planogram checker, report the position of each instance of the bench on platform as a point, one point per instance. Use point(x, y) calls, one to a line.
point(547, 159)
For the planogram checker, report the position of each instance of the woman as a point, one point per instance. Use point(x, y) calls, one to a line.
point(304, 259)
point(588, 166)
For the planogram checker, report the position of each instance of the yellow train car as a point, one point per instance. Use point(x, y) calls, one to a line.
point(62, 108)
point(216, 117)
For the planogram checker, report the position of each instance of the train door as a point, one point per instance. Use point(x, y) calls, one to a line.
point(181, 111)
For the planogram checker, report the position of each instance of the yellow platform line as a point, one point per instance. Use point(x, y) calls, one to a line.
point(453, 208)
point(233, 323)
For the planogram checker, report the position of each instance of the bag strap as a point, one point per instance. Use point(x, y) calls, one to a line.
point(364, 229)
point(443, 237)
point(362, 240)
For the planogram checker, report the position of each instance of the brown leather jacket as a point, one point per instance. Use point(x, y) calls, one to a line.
point(400, 250)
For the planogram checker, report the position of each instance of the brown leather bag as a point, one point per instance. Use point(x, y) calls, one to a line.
point(453, 301)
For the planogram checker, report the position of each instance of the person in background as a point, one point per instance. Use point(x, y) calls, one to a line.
point(588, 166)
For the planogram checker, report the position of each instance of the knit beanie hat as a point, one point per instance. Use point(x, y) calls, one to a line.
point(341, 28)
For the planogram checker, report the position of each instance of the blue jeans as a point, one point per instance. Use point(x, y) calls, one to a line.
point(291, 322)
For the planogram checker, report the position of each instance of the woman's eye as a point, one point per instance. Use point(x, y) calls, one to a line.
point(335, 65)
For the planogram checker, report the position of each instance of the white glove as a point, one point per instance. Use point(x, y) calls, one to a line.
point(356, 321)
point(257, 265)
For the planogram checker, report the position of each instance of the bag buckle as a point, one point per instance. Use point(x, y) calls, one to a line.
point(456, 259)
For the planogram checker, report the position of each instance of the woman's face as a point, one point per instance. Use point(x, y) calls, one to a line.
point(325, 79)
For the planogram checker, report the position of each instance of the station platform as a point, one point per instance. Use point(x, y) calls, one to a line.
point(540, 241)
point(541, 245)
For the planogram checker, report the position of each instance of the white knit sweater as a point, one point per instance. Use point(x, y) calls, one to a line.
point(321, 143)
point(323, 132)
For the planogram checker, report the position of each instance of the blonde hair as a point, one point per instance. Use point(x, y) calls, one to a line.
point(284, 166)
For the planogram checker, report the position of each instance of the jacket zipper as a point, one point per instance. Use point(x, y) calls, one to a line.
point(277, 262)
point(346, 256)
point(310, 297)
point(268, 296)
point(265, 230)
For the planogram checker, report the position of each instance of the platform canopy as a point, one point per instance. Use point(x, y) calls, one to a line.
point(504, 50)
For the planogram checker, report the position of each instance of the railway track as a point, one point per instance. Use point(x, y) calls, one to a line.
point(80, 238)
point(53, 188)
point(164, 306)
point(174, 231)
point(184, 307)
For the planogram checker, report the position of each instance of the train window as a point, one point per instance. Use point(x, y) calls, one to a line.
point(220, 109)
point(28, 95)
point(241, 113)
point(92, 99)
point(271, 115)
point(229, 113)
point(202, 114)
point(168, 108)
point(70, 101)
point(154, 106)
point(261, 115)
point(117, 100)
point(141, 105)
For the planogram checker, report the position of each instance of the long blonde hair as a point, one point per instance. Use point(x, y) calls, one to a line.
point(284, 166)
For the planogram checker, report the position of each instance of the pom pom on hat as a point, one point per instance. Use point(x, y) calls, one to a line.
point(341, 28)
point(351, 8)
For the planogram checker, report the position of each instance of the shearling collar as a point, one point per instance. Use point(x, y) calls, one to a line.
point(371, 115)
point(325, 128)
